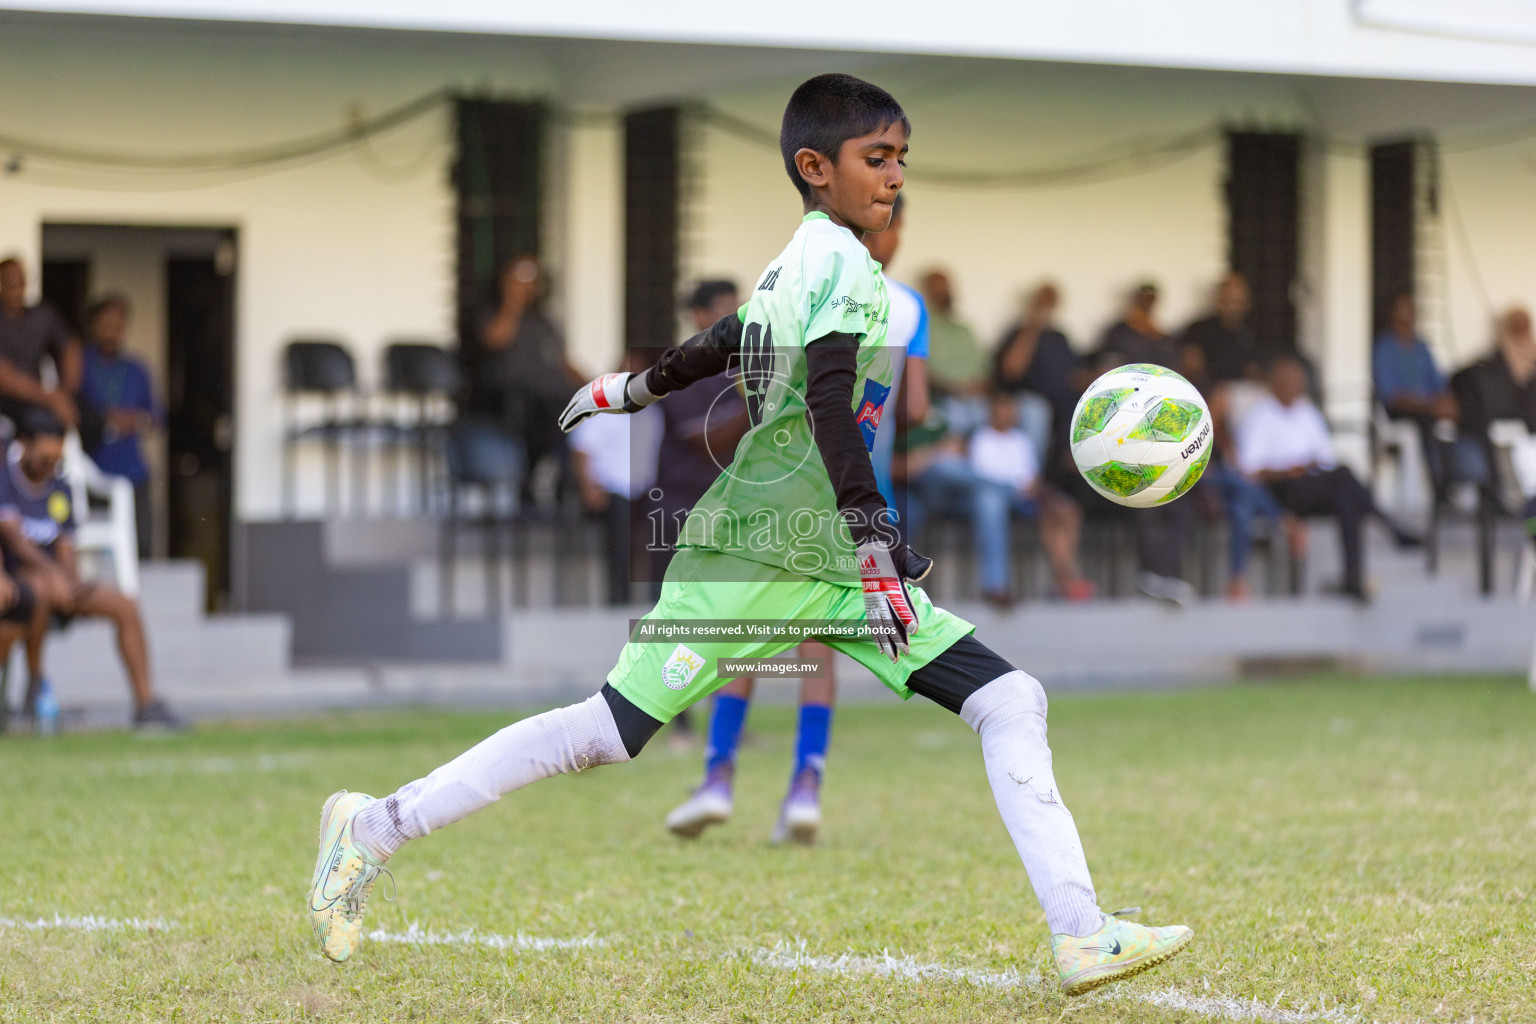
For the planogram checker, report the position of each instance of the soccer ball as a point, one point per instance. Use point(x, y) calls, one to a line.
point(1141, 435)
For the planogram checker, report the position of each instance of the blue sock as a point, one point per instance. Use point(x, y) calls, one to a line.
point(724, 730)
point(811, 744)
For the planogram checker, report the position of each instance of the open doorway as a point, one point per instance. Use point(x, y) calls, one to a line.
point(180, 285)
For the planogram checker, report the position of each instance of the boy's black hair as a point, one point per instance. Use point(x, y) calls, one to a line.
point(827, 111)
point(39, 422)
point(706, 292)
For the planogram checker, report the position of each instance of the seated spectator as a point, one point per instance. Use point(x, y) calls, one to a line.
point(1502, 386)
point(27, 335)
point(614, 461)
point(1224, 345)
point(1221, 356)
point(1034, 357)
point(1410, 387)
point(37, 533)
point(1162, 531)
point(957, 367)
point(1003, 457)
point(521, 375)
point(116, 386)
point(1284, 443)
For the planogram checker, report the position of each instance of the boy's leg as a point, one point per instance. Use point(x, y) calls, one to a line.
point(358, 833)
point(800, 814)
point(651, 683)
point(712, 802)
point(1007, 709)
point(95, 601)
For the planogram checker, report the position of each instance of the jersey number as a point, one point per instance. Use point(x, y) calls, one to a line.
point(756, 367)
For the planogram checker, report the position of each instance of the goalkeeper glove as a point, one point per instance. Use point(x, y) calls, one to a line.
point(612, 392)
point(888, 609)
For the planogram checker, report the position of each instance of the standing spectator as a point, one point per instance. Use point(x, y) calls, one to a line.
point(700, 428)
point(1283, 442)
point(1224, 344)
point(27, 334)
point(957, 367)
point(614, 459)
point(1162, 531)
point(523, 376)
point(1410, 387)
point(116, 386)
point(1003, 458)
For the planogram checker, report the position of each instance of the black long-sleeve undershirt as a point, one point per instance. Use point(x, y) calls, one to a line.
point(831, 373)
point(705, 354)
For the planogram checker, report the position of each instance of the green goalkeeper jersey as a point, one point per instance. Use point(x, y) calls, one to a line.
point(775, 503)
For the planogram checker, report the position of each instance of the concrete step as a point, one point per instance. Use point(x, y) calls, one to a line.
point(173, 592)
point(83, 661)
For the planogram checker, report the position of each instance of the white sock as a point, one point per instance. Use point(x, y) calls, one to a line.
point(565, 740)
point(1009, 716)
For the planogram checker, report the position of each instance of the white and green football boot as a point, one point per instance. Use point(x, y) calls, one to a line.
point(1118, 950)
point(344, 877)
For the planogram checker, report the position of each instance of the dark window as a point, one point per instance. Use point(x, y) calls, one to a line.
point(496, 178)
point(652, 176)
point(1392, 220)
point(1262, 228)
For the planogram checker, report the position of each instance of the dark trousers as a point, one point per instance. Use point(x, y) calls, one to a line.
point(617, 535)
point(1162, 534)
point(1336, 493)
point(144, 519)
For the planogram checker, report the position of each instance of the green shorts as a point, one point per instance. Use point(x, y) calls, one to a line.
point(662, 674)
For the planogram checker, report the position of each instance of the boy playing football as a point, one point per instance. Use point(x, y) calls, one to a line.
point(795, 533)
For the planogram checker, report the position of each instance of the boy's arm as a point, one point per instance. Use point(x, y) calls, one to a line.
point(703, 355)
point(26, 553)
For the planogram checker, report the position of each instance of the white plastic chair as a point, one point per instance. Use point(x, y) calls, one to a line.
point(1397, 462)
point(112, 533)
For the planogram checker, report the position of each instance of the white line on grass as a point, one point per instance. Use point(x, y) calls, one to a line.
point(795, 957)
point(89, 923)
point(418, 936)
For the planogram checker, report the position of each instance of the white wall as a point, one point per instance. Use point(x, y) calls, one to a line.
point(358, 245)
point(1488, 214)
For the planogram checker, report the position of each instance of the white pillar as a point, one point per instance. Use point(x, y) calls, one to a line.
point(592, 269)
point(1336, 320)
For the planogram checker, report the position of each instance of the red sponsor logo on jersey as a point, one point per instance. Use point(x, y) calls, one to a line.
point(869, 413)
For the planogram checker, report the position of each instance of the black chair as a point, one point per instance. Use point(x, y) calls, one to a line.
point(483, 459)
point(419, 375)
point(324, 368)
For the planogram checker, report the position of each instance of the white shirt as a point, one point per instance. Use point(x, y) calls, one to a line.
point(1274, 437)
point(1004, 457)
point(621, 450)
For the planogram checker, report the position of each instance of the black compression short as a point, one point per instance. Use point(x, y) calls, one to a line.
point(960, 671)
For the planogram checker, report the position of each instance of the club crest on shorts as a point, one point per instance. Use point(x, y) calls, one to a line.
point(680, 669)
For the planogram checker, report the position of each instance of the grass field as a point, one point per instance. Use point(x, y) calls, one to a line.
point(1344, 850)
